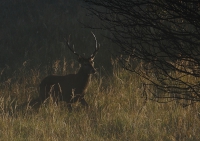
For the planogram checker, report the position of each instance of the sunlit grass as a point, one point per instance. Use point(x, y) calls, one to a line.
point(117, 109)
point(117, 112)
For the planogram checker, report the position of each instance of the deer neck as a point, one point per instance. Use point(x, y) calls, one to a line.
point(83, 79)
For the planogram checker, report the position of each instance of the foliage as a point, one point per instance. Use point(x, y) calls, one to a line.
point(163, 35)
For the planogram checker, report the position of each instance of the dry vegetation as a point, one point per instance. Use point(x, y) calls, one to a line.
point(117, 109)
point(117, 112)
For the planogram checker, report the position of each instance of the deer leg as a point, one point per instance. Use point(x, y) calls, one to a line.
point(83, 102)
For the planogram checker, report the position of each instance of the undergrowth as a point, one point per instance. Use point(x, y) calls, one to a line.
point(117, 112)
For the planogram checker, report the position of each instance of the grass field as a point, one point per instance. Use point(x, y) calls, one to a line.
point(33, 46)
point(117, 112)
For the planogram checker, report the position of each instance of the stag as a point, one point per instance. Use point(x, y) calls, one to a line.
point(70, 88)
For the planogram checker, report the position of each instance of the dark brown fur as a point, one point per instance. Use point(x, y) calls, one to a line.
point(69, 88)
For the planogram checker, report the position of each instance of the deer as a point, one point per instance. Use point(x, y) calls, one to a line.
point(70, 88)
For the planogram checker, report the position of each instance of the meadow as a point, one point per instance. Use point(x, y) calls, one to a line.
point(32, 46)
point(117, 112)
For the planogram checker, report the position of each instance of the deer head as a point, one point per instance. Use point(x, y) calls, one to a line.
point(87, 64)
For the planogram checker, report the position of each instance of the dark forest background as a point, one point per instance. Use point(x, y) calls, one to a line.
point(33, 33)
point(157, 40)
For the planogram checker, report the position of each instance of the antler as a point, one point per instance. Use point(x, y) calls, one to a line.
point(72, 49)
point(96, 48)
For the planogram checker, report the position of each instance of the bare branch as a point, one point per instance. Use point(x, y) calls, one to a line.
point(162, 37)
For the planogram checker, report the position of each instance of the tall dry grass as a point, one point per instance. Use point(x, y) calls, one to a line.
point(117, 112)
point(117, 109)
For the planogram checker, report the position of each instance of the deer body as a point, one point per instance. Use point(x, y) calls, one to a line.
point(72, 87)
point(69, 88)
